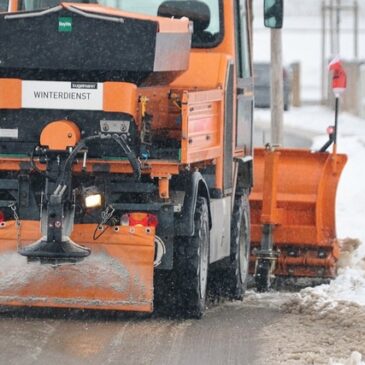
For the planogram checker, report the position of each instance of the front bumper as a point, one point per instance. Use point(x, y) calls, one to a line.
point(118, 275)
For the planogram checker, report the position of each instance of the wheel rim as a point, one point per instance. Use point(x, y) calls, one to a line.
point(203, 274)
point(244, 243)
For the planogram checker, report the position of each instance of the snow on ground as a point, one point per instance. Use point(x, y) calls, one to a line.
point(311, 331)
point(354, 359)
point(350, 283)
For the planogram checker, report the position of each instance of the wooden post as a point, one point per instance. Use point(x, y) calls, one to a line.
point(277, 89)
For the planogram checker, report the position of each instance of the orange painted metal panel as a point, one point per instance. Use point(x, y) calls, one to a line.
point(305, 187)
point(206, 71)
point(202, 124)
point(120, 97)
point(203, 111)
point(60, 134)
point(228, 45)
point(270, 213)
point(10, 94)
point(14, 5)
point(118, 274)
point(164, 111)
point(295, 190)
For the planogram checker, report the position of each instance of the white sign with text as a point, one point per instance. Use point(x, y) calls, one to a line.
point(62, 95)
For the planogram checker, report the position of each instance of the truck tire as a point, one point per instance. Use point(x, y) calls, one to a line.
point(236, 275)
point(192, 261)
point(164, 301)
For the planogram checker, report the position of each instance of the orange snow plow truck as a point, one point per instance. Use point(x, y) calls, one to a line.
point(127, 162)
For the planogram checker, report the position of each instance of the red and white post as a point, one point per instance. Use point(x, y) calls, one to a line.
point(339, 82)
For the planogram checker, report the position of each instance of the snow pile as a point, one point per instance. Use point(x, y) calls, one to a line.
point(319, 306)
point(349, 286)
point(307, 329)
point(271, 299)
point(355, 359)
point(348, 246)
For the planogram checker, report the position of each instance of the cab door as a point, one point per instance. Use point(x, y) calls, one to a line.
point(245, 98)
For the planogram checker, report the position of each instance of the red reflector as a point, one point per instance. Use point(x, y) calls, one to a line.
point(152, 220)
point(2, 217)
point(330, 130)
point(143, 219)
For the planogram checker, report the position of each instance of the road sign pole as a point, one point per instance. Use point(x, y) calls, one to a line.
point(277, 89)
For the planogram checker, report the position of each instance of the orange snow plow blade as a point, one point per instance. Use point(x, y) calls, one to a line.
point(118, 275)
point(295, 192)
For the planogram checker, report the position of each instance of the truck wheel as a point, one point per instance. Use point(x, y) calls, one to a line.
point(192, 261)
point(237, 272)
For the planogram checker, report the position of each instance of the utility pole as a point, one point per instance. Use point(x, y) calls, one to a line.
point(356, 30)
point(277, 88)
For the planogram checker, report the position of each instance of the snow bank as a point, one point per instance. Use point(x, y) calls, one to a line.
point(308, 329)
point(355, 359)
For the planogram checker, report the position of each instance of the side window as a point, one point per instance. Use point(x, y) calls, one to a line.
point(144, 7)
point(30, 5)
point(4, 5)
point(243, 47)
point(208, 30)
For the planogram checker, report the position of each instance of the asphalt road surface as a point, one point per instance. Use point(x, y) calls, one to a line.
point(228, 334)
point(275, 328)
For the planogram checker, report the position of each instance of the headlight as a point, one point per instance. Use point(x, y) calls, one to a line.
point(93, 201)
point(92, 197)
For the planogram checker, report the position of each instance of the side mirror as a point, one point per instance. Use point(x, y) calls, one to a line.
point(273, 13)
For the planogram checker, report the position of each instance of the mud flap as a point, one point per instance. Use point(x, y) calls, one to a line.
point(296, 196)
point(118, 275)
